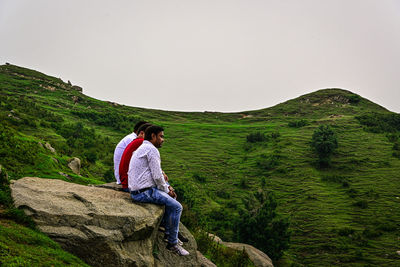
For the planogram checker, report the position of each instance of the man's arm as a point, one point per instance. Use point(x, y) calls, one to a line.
point(155, 168)
point(165, 176)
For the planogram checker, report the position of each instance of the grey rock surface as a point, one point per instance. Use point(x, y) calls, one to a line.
point(75, 165)
point(49, 147)
point(101, 226)
point(112, 185)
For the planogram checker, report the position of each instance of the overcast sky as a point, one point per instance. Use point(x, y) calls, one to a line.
point(212, 55)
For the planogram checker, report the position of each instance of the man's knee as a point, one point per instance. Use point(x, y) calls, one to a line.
point(175, 205)
point(179, 206)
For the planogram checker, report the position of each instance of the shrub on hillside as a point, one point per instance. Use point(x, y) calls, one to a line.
point(336, 179)
point(393, 137)
point(111, 119)
point(199, 177)
point(244, 183)
point(5, 197)
point(15, 151)
point(354, 99)
point(275, 135)
point(26, 113)
point(91, 155)
point(324, 142)
point(380, 123)
point(346, 231)
point(268, 162)
point(298, 124)
point(363, 204)
point(396, 149)
point(83, 142)
point(256, 137)
point(223, 193)
point(263, 182)
point(352, 192)
point(247, 147)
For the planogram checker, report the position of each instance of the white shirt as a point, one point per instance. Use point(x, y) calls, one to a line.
point(145, 169)
point(119, 150)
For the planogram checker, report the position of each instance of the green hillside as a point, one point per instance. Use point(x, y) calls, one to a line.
point(345, 214)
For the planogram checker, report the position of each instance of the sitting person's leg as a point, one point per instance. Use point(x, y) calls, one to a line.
point(173, 211)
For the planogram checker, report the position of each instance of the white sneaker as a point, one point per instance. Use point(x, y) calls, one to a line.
point(178, 249)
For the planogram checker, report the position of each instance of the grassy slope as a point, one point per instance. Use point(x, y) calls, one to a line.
point(21, 246)
point(328, 224)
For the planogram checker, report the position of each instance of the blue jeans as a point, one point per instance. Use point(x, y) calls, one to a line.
point(173, 210)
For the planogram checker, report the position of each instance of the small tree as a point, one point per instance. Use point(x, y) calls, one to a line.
point(260, 225)
point(324, 142)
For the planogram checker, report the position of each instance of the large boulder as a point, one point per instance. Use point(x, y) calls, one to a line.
point(75, 165)
point(101, 226)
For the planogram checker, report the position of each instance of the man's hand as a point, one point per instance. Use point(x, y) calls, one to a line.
point(171, 192)
point(165, 176)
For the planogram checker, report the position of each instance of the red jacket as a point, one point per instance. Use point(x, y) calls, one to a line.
point(125, 159)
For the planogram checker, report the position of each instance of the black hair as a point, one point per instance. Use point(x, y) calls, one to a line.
point(154, 129)
point(143, 127)
point(137, 125)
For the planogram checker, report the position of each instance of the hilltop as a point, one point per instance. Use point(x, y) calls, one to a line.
point(345, 215)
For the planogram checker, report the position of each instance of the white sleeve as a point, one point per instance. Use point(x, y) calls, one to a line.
point(154, 160)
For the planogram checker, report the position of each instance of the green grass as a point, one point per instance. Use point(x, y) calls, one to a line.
point(359, 192)
point(21, 246)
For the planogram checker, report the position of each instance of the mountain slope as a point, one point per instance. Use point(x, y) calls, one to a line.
point(343, 215)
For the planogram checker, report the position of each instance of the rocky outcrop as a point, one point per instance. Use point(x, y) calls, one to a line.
point(77, 88)
point(75, 165)
point(101, 226)
point(256, 256)
point(75, 99)
point(49, 147)
point(259, 258)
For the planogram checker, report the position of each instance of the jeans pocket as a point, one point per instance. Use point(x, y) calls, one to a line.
point(141, 197)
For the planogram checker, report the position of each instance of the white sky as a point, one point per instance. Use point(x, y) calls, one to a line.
point(213, 55)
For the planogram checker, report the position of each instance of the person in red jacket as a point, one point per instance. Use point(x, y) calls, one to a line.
point(127, 155)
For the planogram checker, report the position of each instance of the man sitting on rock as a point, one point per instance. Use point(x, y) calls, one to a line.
point(147, 184)
point(127, 155)
point(119, 149)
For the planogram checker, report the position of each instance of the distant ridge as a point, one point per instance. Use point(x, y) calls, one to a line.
point(321, 103)
point(304, 105)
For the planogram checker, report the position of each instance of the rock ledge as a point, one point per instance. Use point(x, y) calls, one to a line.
point(101, 226)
